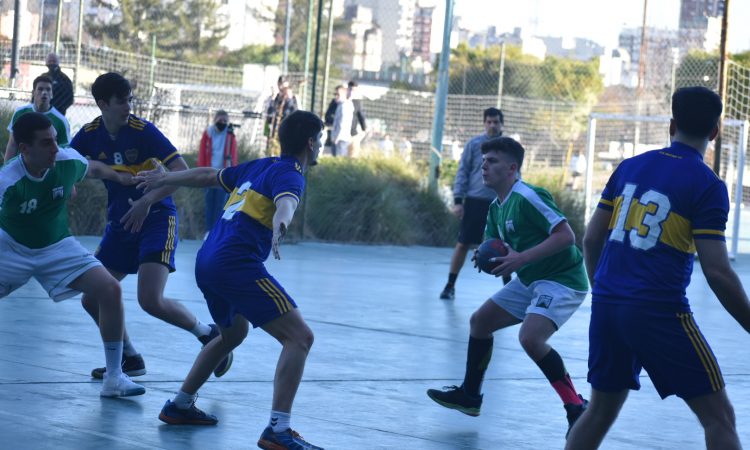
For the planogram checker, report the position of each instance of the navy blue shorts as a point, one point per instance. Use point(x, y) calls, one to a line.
point(124, 251)
point(473, 221)
point(241, 288)
point(665, 341)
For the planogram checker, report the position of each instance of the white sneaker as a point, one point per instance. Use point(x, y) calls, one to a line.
point(120, 386)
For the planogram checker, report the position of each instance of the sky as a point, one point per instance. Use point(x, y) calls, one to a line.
point(598, 20)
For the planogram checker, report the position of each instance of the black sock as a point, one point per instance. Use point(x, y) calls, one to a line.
point(477, 359)
point(552, 366)
point(451, 279)
point(554, 369)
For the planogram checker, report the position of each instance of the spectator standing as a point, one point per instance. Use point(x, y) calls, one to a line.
point(359, 124)
point(342, 124)
point(62, 87)
point(218, 149)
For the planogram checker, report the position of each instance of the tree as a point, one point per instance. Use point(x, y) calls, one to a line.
point(188, 30)
point(475, 72)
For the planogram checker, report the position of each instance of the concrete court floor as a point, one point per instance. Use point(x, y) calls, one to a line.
point(382, 338)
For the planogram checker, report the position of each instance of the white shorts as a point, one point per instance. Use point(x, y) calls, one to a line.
point(546, 298)
point(54, 267)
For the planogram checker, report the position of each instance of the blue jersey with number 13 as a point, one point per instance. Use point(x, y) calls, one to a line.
point(660, 201)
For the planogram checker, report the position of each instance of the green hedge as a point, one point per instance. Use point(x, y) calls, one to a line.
point(371, 200)
point(374, 200)
point(365, 200)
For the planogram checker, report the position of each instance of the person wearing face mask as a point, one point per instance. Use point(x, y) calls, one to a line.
point(218, 149)
point(62, 87)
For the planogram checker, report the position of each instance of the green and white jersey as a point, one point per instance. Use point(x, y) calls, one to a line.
point(33, 210)
point(58, 121)
point(526, 218)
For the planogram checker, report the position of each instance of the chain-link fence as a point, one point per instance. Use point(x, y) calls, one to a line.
point(388, 47)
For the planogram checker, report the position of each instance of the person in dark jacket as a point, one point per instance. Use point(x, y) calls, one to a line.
point(62, 87)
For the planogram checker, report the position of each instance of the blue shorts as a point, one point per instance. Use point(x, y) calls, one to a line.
point(665, 341)
point(124, 251)
point(241, 288)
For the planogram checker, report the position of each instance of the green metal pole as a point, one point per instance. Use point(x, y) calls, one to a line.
point(316, 53)
point(310, 5)
point(59, 27)
point(329, 44)
point(153, 68)
point(78, 45)
point(441, 100)
point(501, 77)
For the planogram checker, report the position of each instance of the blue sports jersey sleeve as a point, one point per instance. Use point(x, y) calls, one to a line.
point(160, 146)
point(228, 177)
point(607, 199)
point(81, 144)
point(711, 212)
point(287, 182)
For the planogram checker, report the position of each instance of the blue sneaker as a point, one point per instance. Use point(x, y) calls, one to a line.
point(286, 440)
point(173, 415)
point(226, 363)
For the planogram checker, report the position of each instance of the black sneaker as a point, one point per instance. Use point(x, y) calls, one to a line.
point(454, 397)
point(226, 363)
point(132, 366)
point(449, 293)
point(574, 412)
point(173, 415)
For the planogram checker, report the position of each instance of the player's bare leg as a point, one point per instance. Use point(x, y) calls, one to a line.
point(152, 278)
point(91, 306)
point(104, 296)
point(457, 262)
point(297, 339)
point(213, 353)
point(716, 415)
point(104, 290)
point(590, 429)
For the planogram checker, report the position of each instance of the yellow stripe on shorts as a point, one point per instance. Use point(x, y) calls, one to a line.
point(169, 245)
point(701, 347)
point(274, 293)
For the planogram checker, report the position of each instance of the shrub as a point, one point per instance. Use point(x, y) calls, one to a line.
point(374, 200)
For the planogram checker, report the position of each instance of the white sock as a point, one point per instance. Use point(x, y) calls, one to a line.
point(200, 329)
point(183, 400)
point(113, 356)
point(279, 421)
point(128, 349)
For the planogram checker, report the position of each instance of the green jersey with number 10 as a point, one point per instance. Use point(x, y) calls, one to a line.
point(33, 210)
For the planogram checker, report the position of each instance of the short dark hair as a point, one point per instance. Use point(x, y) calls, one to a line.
point(352, 83)
point(27, 125)
point(493, 112)
point(296, 129)
point(110, 84)
point(696, 111)
point(220, 112)
point(41, 79)
point(506, 145)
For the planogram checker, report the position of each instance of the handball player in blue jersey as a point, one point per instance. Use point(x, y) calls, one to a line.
point(229, 269)
point(141, 233)
point(656, 210)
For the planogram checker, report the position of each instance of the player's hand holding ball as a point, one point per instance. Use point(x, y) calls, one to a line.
point(497, 258)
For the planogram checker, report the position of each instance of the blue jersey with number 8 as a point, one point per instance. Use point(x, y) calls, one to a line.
point(661, 201)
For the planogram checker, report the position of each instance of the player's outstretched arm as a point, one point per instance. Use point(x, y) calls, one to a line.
point(285, 207)
point(594, 240)
point(104, 172)
point(133, 219)
point(157, 178)
point(723, 280)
